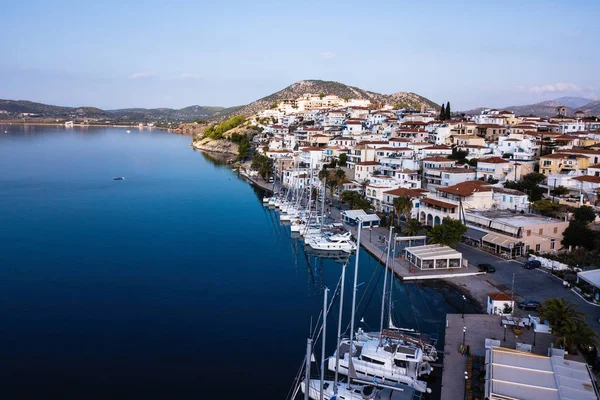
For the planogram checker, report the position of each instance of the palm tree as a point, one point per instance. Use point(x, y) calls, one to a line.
point(559, 314)
point(331, 185)
point(340, 177)
point(402, 204)
point(412, 227)
point(363, 186)
point(323, 173)
point(574, 335)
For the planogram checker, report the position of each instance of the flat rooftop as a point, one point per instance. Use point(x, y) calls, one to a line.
point(479, 328)
point(513, 218)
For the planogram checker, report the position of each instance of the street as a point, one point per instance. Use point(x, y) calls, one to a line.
point(530, 284)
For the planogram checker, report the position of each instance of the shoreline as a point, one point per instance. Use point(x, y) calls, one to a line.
point(13, 122)
point(480, 305)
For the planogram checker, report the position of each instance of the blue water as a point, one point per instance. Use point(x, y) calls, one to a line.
point(174, 283)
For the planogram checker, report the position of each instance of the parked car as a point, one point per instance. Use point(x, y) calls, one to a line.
point(532, 264)
point(486, 268)
point(530, 305)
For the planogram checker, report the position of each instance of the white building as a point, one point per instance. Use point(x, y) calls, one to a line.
point(499, 303)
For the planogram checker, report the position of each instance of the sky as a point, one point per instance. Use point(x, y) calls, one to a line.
point(116, 54)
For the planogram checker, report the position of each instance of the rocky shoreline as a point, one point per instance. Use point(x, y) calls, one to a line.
point(216, 146)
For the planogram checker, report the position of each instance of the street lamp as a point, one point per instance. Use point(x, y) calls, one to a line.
point(505, 332)
point(463, 307)
point(464, 334)
point(534, 336)
point(466, 379)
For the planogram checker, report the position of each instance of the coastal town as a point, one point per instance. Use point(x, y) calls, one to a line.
point(501, 205)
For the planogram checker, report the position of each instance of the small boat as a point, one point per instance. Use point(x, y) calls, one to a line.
point(119, 178)
point(128, 131)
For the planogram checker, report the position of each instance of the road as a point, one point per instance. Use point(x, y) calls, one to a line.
point(530, 284)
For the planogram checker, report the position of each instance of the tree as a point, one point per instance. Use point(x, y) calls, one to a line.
point(443, 113)
point(402, 205)
point(262, 164)
point(363, 186)
point(342, 160)
point(559, 191)
point(585, 214)
point(412, 227)
point(545, 207)
point(568, 324)
point(448, 233)
point(321, 95)
point(578, 234)
point(323, 173)
point(448, 112)
point(331, 185)
point(529, 184)
point(355, 200)
point(340, 178)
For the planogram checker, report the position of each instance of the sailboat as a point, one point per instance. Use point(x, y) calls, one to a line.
point(383, 358)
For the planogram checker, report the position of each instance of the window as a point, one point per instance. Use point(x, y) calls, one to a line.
point(503, 198)
point(511, 199)
point(552, 244)
point(537, 248)
point(547, 163)
point(541, 231)
point(528, 232)
point(555, 231)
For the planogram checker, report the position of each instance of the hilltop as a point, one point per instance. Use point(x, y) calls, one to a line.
point(548, 108)
point(295, 90)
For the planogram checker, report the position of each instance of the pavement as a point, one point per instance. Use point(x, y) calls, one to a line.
point(478, 328)
point(530, 284)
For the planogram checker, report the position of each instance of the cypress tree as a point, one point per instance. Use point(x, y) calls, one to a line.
point(443, 113)
point(448, 116)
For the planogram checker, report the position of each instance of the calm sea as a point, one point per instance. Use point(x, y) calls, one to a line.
point(173, 283)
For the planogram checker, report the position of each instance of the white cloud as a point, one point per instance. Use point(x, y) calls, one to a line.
point(142, 75)
point(556, 88)
point(327, 55)
point(190, 76)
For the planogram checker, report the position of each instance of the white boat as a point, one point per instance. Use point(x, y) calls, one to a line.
point(388, 362)
point(272, 202)
point(266, 200)
point(333, 242)
point(344, 391)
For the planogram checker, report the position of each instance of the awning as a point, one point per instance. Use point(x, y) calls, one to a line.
point(499, 240)
point(474, 234)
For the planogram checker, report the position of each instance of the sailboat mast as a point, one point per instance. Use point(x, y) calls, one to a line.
point(392, 280)
point(323, 203)
point(307, 369)
point(387, 263)
point(339, 330)
point(323, 342)
point(355, 289)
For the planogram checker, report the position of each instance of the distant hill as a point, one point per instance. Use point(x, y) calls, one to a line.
point(548, 108)
point(404, 99)
point(573, 102)
point(592, 108)
point(330, 87)
point(18, 107)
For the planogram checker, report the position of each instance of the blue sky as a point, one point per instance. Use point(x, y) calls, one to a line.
point(114, 54)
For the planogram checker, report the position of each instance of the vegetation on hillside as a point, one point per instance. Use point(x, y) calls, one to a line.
point(216, 131)
point(262, 164)
point(356, 201)
point(528, 184)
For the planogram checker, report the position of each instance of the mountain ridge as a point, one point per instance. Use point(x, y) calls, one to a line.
point(196, 112)
point(547, 108)
point(316, 86)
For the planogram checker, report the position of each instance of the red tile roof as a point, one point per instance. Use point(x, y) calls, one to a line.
point(367, 163)
point(406, 192)
point(494, 160)
point(466, 188)
point(438, 203)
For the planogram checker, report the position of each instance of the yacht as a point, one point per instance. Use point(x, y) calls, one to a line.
point(386, 360)
point(334, 242)
point(266, 200)
point(119, 178)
